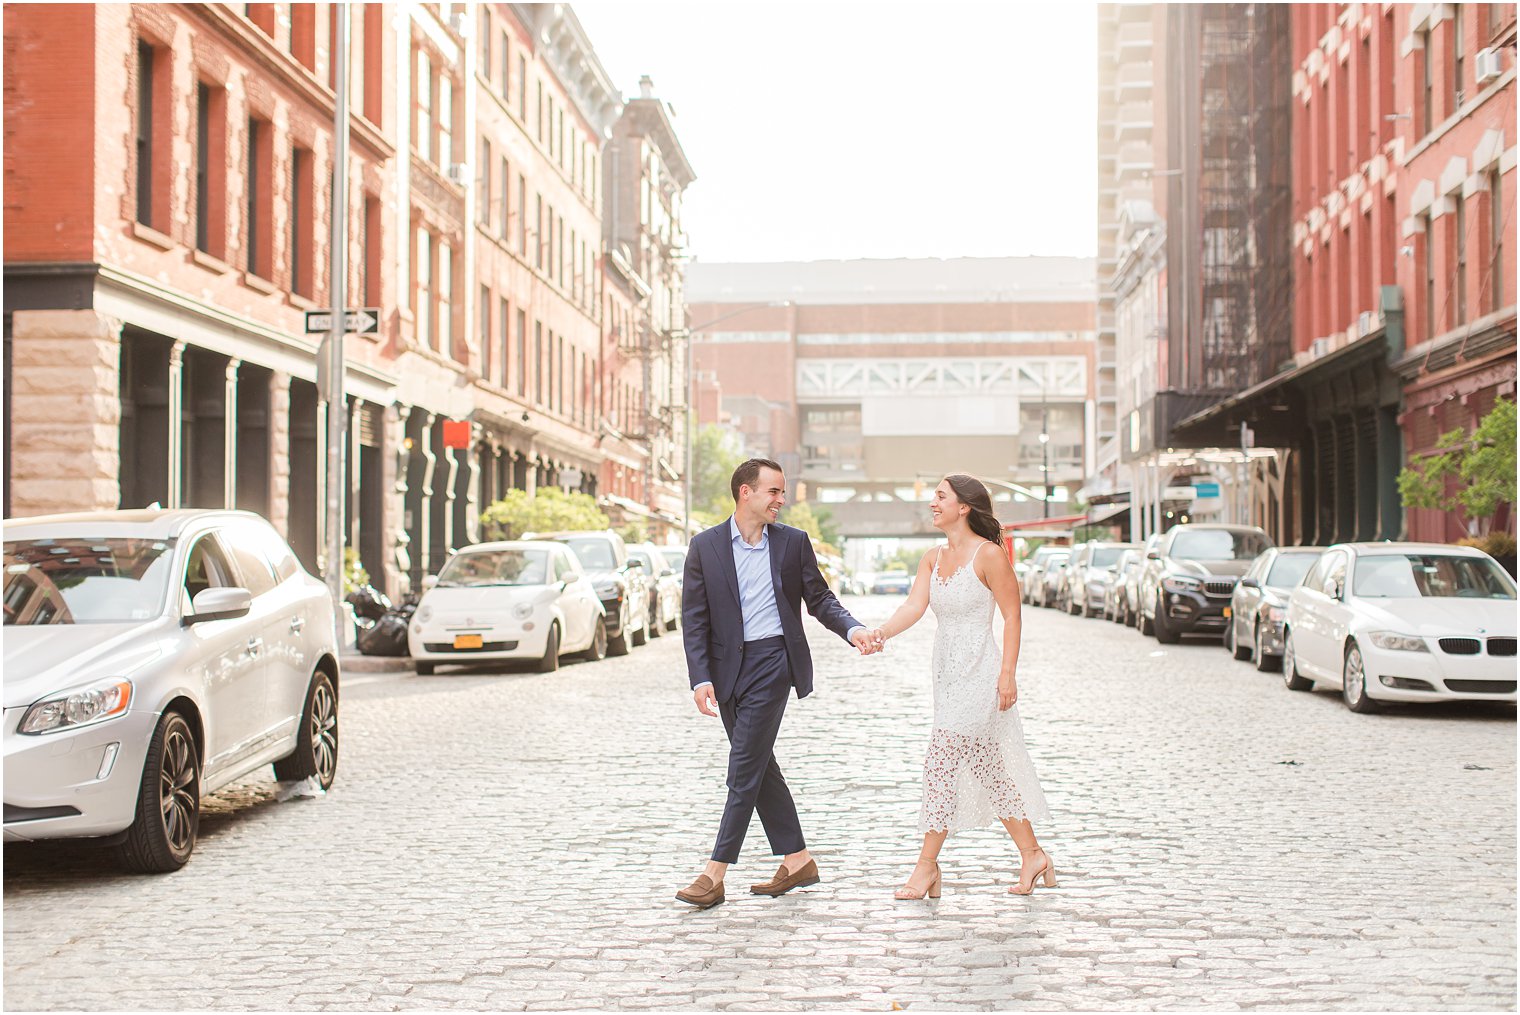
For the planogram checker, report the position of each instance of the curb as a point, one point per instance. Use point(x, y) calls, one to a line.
point(374, 664)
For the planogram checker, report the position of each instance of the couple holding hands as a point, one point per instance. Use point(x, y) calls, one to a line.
point(742, 590)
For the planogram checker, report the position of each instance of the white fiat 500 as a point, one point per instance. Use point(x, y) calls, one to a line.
point(1402, 622)
point(509, 600)
point(150, 658)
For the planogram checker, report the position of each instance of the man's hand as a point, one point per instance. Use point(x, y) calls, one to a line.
point(1008, 692)
point(865, 642)
point(707, 702)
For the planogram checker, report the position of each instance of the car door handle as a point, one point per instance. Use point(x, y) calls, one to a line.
point(296, 623)
point(255, 646)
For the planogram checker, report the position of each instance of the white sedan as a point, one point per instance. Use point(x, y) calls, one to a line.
point(1405, 622)
point(494, 602)
point(152, 657)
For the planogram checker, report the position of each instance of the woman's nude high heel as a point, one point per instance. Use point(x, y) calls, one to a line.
point(931, 892)
point(1048, 870)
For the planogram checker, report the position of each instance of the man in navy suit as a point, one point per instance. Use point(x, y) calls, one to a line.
point(741, 598)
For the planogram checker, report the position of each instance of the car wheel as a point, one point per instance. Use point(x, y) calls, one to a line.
point(674, 622)
point(1291, 679)
point(550, 661)
point(1238, 650)
point(597, 650)
point(316, 752)
point(641, 636)
point(1264, 663)
point(1165, 633)
point(1147, 628)
point(656, 623)
point(618, 646)
point(162, 834)
point(1354, 683)
point(424, 669)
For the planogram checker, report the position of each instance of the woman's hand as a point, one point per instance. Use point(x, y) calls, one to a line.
point(1008, 692)
point(880, 638)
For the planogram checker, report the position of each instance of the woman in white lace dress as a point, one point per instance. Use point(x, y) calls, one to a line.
point(977, 769)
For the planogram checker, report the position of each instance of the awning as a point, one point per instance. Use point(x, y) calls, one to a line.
point(1062, 521)
point(1107, 512)
point(1275, 408)
point(631, 507)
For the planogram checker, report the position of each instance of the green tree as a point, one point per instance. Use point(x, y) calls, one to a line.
point(549, 510)
point(1484, 462)
point(803, 516)
point(715, 454)
point(635, 531)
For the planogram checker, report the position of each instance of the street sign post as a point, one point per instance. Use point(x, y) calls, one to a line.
point(356, 321)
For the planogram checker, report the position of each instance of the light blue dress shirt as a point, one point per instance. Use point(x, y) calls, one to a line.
point(757, 593)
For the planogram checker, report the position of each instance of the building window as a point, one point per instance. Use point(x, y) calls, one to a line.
point(145, 68)
point(303, 34)
point(374, 62)
point(260, 217)
point(445, 121)
point(1459, 226)
point(485, 42)
point(538, 362)
point(301, 239)
point(369, 228)
point(210, 169)
point(1427, 96)
point(503, 75)
point(445, 300)
point(522, 89)
point(505, 348)
point(1496, 224)
point(506, 204)
point(522, 215)
point(422, 299)
point(1458, 42)
point(484, 336)
point(541, 116)
point(538, 236)
point(483, 211)
point(422, 88)
point(1430, 278)
point(522, 353)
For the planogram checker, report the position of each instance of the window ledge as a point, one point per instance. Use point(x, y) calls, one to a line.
point(209, 261)
point(301, 302)
point(152, 236)
point(259, 284)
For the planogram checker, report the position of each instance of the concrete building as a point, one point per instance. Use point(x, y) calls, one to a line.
point(1404, 320)
point(869, 380)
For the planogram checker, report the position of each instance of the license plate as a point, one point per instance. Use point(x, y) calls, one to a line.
point(468, 641)
point(1226, 613)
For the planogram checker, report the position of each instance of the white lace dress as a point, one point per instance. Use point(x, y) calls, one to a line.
point(977, 769)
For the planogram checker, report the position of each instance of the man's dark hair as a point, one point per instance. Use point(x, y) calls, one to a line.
point(748, 473)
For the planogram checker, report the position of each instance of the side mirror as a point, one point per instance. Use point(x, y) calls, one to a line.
point(1250, 583)
point(1153, 555)
point(635, 562)
point(429, 581)
point(219, 604)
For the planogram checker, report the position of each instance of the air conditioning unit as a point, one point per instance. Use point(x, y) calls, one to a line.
point(459, 173)
point(459, 24)
point(1490, 65)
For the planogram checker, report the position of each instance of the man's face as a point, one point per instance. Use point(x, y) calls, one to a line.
point(766, 498)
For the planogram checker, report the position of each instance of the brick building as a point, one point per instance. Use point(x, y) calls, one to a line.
point(1404, 312)
point(868, 380)
point(168, 227)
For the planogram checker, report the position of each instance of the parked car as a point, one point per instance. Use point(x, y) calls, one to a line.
point(1114, 596)
point(620, 584)
point(892, 583)
point(1025, 569)
point(664, 587)
point(1260, 603)
point(1061, 591)
point(1088, 575)
point(675, 556)
point(1132, 581)
point(1404, 622)
point(1044, 575)
point(151, 658)
point(506, 601)
point(1190, 576)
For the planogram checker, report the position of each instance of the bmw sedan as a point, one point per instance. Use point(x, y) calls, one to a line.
point(1409, 622)
point(496, 602)
point(152, 657)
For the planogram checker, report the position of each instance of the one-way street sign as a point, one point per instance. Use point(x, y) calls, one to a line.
point(360, 321)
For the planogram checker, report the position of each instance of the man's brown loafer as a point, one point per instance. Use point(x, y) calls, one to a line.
point(702, 893)
point(784, 882)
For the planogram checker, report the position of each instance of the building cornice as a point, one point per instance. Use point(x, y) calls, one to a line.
point(567, 50)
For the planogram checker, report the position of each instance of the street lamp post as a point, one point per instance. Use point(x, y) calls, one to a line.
point(1044, 462)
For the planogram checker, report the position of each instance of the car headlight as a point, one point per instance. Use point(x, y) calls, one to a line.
point(1181, 583)
point(425, 613)
point(522, 611)
point(82, 707)
point(1398, 642)
point(609, 590)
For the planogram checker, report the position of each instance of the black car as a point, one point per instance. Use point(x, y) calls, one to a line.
point(1260, 604)
point(620, 582)
point(1190, 576)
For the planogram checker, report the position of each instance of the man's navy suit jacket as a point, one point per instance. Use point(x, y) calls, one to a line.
point(714, 623)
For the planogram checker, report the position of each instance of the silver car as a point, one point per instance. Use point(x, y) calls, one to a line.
point(152, 657)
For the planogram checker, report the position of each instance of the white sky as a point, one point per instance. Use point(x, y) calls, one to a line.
point(833, 129)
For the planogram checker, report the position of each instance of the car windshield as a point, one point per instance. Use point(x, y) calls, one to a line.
point(1289, 569)
point(1105, 555)
point(594, 554)
point(1416, 575)
point(644, 558)
point(85, 581)
point(1217, 544)
point(676, 555)
point(495, 567)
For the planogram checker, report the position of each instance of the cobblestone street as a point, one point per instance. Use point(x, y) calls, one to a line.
point(513, 841)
